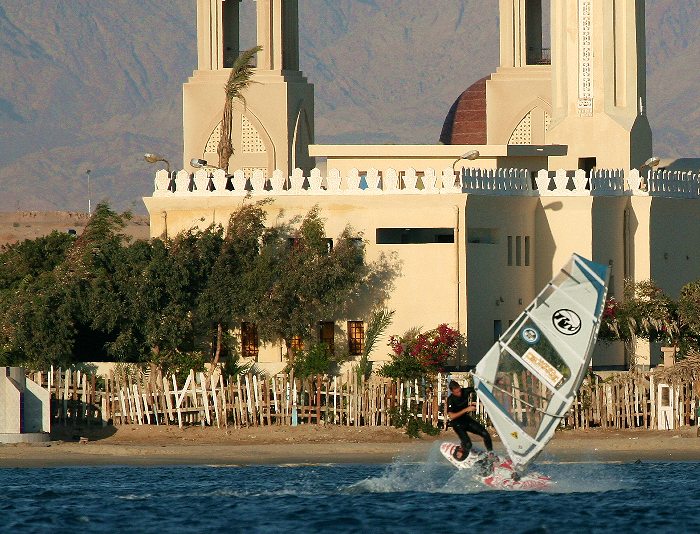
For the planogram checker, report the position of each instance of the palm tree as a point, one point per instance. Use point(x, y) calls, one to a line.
point(240, 78)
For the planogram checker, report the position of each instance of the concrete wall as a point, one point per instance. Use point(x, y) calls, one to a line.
point(25, 407)
point(496, 290)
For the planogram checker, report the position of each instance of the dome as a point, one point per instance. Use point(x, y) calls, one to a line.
point(465, 123)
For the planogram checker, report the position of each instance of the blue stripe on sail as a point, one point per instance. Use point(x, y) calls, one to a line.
point(602, 271)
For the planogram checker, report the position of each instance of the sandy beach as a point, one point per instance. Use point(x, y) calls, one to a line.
point(310, 444)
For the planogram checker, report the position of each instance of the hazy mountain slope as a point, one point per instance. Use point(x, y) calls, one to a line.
point(88, 84)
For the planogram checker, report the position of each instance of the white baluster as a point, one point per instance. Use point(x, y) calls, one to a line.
point(561, 180)
point(372, 180)
point(352, 181)
point(580, 182)
point(542, 182)
point(634, 181)
point(448, 179)
point(182, 182)
point(257, 181)
point(315, 180)
point(161, 183)
point(297, 181)
point(239, 182)
point(333, 181)
point(391, 181)
point(201, 180)
point(277, 182)
point(429, 180)
point(219, 179)
point(410, 179)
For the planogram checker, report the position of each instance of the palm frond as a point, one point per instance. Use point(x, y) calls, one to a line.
point(238, 81)
point(241, 74)
point(376, 326)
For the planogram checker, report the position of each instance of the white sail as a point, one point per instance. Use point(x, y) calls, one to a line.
point(529, 378)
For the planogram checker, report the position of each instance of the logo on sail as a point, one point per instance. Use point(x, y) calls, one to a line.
point(545, 369)
point(530, 335)
point(566, 322)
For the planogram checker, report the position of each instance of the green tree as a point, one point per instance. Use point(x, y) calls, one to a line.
point(234, 288)
point(306, 280)
point(646, 312)
point(31, 258)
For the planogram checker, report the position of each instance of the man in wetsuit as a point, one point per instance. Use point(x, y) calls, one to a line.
point(458, 406)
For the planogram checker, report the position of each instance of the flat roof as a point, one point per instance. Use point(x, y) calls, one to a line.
point(434, 151)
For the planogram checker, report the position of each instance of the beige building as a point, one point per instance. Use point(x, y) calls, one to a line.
point(474, 244)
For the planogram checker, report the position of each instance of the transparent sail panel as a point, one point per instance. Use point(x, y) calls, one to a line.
point(533, 345)
point(521, 394)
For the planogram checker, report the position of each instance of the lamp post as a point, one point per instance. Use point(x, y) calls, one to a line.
point(471, 155)
point(89, 192)
point(651, 163)
point(155, 158)
point(201, 163)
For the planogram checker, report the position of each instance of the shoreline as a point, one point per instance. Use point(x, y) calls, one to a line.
point(308, 445)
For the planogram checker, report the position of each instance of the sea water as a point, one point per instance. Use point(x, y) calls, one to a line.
point(423, 496)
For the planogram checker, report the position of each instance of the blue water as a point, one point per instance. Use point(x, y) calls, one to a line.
point(401, 497)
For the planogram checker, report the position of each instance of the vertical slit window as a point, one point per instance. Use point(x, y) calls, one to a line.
point(510, 250)
point(519, 251)
point(527, 251)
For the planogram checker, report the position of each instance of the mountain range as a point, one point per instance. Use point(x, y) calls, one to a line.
point(94, 85)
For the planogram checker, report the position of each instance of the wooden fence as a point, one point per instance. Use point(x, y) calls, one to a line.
point(139, 398)
point(632, 400)
point(626, 400)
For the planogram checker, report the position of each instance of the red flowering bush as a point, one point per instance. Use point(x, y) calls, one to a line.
point(418, 354)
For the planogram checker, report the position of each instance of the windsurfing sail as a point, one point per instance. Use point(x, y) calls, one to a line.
point(530, 377)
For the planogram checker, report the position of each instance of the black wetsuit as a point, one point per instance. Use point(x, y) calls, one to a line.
point(464, 423)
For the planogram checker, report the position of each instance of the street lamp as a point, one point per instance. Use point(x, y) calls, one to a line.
point(651, 162)
point(201, 163)
point(471, 155)
point(89, 193)
point(155, 158)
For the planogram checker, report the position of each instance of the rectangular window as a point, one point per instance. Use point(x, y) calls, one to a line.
point(510, 250)
point(297, 343)
point(497, 329)
point(249, 340)
point(414, 236)
point(518, 251)
point(326, 334)
point(356, 337)
point(527, 251)
point(485, 236)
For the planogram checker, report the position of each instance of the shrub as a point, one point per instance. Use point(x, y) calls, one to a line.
point(416, 355)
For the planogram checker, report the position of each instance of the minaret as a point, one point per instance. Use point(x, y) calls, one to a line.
point(275, 127)
point(599, 83)
point(519, 93)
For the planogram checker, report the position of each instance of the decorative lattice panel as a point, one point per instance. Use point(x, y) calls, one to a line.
point(213, 141)
point(547, 121)
point(522, 135)
point(251, 142)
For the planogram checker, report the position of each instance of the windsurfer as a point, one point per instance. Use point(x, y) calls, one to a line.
point(459, 405)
